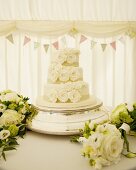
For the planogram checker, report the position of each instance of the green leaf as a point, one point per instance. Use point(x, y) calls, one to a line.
point(130, 155)
point(3, 155)
point(123, 132)
point(8, 148)
point(74, 139)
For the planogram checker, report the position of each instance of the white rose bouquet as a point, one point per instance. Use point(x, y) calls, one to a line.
point(15, 112)
point(103, 144)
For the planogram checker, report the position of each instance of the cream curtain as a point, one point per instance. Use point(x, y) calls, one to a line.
point(93, 10)
point(110, 74)
point(58, 28)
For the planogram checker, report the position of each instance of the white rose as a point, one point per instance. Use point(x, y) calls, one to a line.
point(5, 92)
point(69, 87)
point(4, 134)
point(13, 97)
point(74, 96)
point(130, 107)
point(108, 129)
point(2, 107)
point(61, 58)
point(64, 75)
point(10, 117)
point(55, 66)
point(72, 59)
point(63, 95)
point(95, 140)
point(112, 147)
point(52, 95)
point(79, 84)
point(82, 139)
point(91, 125)
point(98, 162)
point(75, 74)
point(53, 76)
point(125, 127)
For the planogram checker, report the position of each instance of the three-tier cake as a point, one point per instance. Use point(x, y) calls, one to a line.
point(65, 86)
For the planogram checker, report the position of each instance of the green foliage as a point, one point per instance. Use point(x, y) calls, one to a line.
point(15, 128)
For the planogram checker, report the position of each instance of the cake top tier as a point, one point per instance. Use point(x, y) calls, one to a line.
point(67, 56)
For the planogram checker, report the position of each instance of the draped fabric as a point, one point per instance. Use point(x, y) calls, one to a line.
point(58, 28)
point(110, 73)
point(93, 10)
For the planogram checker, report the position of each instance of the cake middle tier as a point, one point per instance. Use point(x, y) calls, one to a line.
point(71, 92)
point(61, 74)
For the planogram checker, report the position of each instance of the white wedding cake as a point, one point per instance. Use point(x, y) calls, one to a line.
point(65, 86)
point(66, 104)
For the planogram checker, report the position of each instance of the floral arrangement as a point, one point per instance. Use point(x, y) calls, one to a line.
point(68, 92)
point(104, 143)
point(15, 113)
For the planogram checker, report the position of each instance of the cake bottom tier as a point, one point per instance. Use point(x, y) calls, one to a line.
point(71, 92)
point(91, 103)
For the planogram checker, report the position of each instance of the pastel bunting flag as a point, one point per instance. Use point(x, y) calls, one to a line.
point(56, 45)
point(103, 47)
point(82, 39)
point(121, 39)
point(36, 45)
point(26, 40)
point(63, 40)
point(10, 38)
point(46, 47)
point(113, 44)
point(93, 43)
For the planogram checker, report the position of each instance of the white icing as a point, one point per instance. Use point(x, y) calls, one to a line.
point(64, 73)
point(65, 79)
point(68, 92)
point(67, 56)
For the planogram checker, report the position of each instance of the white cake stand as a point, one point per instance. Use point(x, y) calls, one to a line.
point(61, 121)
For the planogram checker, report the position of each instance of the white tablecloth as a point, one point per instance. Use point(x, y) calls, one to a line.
point(47, 152)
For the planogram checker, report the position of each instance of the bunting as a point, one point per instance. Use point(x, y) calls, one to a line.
point(10, 38)
point(82, 39)
point(36, 45)
point(56, 45)
point(103, 47)
point(121, 39)
point(113, 44)
point(93, 43)
point(46, 47)
point(26, 40)
point(63, 40)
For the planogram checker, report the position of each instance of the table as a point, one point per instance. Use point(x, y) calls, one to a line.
point(47, 152)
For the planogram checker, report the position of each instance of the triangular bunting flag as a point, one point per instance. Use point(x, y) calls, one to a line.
point(121, 39)
point(82, 39)
point(113, 44)
point(56, 45)
point(46, 47)
point(26, 40)
point(63, 40)
point(36, 45)
point(93, 43)
point(10, 38)
point(103, 47)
